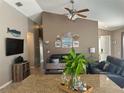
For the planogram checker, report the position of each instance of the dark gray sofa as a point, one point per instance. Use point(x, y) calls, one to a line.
point(112, 67)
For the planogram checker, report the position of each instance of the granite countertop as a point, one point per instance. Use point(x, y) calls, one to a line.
point(49, 84)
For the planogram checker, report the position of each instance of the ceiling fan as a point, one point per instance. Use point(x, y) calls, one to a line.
point(73, 12)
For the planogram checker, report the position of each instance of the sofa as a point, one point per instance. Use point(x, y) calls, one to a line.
point(56, 58)
point(112, 67)
point(55, 64)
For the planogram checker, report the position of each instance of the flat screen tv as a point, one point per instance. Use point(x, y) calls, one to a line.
point(14, 46)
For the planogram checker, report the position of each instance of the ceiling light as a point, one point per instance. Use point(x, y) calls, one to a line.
point(18, 4)
point(70, 17)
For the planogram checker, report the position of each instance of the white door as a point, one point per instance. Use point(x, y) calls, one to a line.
point(104, 47)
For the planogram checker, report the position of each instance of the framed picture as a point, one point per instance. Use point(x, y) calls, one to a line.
point(58, 43)
point(75, 43)
point(67, 42)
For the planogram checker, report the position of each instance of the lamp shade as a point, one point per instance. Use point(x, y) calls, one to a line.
point(92, 50)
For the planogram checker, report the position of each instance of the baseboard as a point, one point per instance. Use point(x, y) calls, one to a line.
point(6, 84)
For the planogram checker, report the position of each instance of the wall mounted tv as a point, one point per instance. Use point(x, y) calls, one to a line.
point(14, 46)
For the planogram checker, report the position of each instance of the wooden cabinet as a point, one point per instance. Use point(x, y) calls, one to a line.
point(20, 71)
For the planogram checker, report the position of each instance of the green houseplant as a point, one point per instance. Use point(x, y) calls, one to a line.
point(75, 65)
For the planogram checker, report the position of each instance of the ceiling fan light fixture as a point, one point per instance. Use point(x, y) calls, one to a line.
point(72, 18)
point(73, 13)
point(72, 1)
point(75, 17)
point(69, 16)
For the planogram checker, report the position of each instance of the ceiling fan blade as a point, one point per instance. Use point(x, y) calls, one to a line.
point(82, 15)
point(83, 10)
point(68, 9)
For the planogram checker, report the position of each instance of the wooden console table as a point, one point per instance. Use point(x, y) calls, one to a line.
point(20, 71)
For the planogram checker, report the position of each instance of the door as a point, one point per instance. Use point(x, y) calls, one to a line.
point(122, 45)
point(104, 47)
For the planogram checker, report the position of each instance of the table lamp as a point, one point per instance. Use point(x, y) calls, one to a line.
point(92, 51)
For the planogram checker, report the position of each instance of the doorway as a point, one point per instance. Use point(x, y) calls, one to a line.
point(41, 48)
point(104, 47)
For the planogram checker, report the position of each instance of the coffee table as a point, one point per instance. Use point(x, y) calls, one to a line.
point(49, 84)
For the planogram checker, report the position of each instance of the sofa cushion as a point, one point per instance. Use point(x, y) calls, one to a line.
point(112, 68)
point(96, 71)
point(119, 80)
point(117, 61)
point(105, 68)
point(118, 70)
point(122, 73)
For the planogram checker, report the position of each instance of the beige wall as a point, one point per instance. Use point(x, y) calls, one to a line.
point(11, 18)
point(54, 25)
point(116, 42)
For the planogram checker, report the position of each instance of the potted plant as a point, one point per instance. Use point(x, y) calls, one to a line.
point(75, 65)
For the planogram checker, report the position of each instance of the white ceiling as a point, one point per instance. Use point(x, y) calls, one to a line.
point(109, 13)
point(30, 8)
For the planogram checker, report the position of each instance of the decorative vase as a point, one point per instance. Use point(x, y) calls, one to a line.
point(73, 82)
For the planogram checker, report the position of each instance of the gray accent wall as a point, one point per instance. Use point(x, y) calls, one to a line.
point(54, 24)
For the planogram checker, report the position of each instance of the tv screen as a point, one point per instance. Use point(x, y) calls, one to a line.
point(14, 46)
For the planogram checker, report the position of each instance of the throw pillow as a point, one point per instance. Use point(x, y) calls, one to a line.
point(55, 60)
point(105, 68)
point(101, 65)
